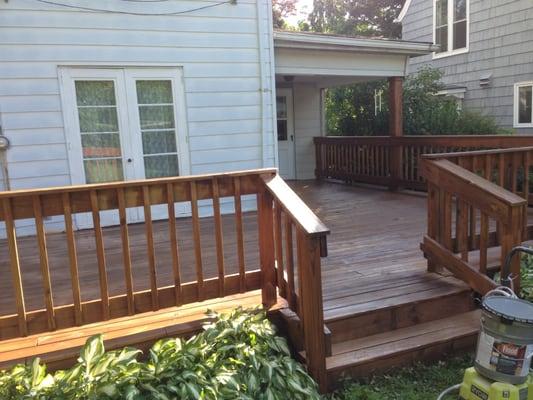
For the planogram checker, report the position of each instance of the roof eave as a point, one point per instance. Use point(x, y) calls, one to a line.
point(310, 42)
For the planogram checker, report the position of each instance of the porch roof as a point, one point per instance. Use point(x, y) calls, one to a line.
point(329, 60)
point(320, 41)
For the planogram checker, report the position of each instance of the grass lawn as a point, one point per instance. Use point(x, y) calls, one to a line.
point(420, 382)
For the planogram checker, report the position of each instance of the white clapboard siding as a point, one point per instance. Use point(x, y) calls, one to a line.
point(225, 53)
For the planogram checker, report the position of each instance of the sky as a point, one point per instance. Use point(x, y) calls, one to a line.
point(304, 7)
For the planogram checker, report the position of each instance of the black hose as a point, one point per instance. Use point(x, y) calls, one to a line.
point(506, 281)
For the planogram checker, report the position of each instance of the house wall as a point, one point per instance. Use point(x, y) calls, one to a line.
point(501, 43)
point(307, 124)
point(226, 56)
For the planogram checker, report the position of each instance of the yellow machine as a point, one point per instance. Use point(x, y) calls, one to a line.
point(477, 387)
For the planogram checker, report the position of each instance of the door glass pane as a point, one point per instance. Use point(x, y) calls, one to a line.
point(157, 121)
point(281, 110)
point(97, 113)
point(524, 104)
point(281, 106)
point(282, 129)
point(156, 117)
point(160, 166)
point(154, 92)
point(157, 142)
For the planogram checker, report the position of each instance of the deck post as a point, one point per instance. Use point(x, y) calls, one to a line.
point(395, 130)
point(310, 276)
point(267, 255)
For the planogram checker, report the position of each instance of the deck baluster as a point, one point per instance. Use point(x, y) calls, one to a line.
point(100, 254)
point(218, 237)
point(149, 230)
point(73, 258)
point(15, 266)
point(197, 241)
point(240, 233)
point(124, 235)
point(174, 249)
point(43, 258)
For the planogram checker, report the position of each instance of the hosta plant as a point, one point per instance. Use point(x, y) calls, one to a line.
point(237, 356)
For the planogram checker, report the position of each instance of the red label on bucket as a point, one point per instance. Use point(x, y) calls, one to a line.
point(503, 357)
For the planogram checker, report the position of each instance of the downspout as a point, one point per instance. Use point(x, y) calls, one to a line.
point(263, 89)
point(273, 84)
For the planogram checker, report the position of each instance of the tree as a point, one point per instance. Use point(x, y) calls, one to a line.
point(357, 17)
point(282, 9)
point(350, 110)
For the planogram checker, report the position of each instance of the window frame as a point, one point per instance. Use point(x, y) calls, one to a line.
point(450, 22)
point(516, 105)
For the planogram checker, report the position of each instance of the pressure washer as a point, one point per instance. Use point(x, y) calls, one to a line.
point(501, 368)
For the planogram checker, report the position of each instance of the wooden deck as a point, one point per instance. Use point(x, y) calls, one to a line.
point(375, 237)
point(376, 287)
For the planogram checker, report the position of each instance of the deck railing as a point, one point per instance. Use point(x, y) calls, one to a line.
point(393, 161)
point(292, 271)
point(470, 217)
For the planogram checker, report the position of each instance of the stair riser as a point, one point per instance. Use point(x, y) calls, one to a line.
point(402, 316)
point(379, 365)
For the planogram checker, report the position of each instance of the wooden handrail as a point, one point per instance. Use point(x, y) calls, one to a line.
point(301, 214)
point(474, 153)
point(291, 240)
point(474, 200)
point(310, 246)
point(488, 197)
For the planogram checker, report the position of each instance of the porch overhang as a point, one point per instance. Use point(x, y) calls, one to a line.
point(329, 60)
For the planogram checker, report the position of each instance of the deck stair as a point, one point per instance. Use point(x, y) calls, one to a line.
point(419, 316)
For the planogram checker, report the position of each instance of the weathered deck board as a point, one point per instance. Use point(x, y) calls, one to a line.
point(373, 255)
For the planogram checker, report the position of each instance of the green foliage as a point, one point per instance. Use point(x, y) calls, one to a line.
point(357, 18)
point(526, 277)
point(420, 382)
point(281, 9)
point(350, 110)
point(237, 356)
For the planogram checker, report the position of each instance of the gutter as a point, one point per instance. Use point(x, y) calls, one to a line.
point(325, 42)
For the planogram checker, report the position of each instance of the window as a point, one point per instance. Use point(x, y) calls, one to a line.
point(523, 101)
point(451, 26)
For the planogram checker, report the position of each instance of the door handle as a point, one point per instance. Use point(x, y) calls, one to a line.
point(130, 160)
point(292, 138)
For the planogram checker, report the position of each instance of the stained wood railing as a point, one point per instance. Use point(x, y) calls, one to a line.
point(299, 239)
point(470, 220)
point(393, 161)
point(290, 241)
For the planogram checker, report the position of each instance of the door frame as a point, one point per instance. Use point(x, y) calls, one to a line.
point(71, 124)
point(124, 77)
point(291, 134)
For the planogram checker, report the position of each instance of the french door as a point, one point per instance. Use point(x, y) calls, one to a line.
point(124, 124)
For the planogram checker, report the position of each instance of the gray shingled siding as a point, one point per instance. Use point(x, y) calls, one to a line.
point(501, 43)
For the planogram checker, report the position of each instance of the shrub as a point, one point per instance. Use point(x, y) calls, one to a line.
point(236, 356)
point(350, 109)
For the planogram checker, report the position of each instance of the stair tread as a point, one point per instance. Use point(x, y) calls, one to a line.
point(383, 345)
point(370, 299)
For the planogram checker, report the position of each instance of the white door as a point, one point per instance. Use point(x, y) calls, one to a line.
point(285, 123)
point(124, 124)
